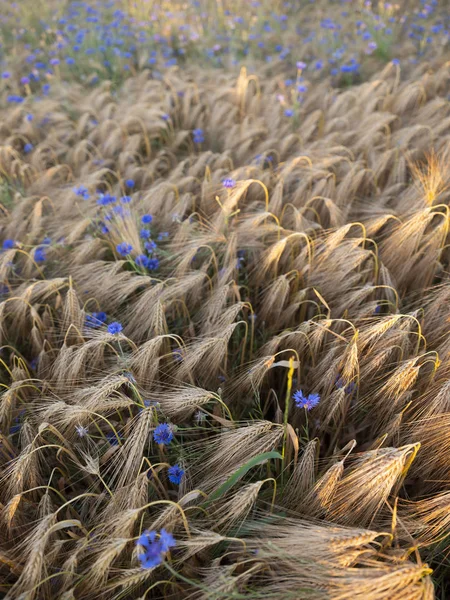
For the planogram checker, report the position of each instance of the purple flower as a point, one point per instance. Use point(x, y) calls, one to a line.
point(114, 328)
point(228, 183)
point(8, 244)
point(141, 260)
point(81, 431)
point(96, 319)
point(175, 474)
point(150, 246)
point(198, 136)
point(112, 438)
point(350, 387)
point(39, 254)
point(105, 199)
point(82, 191)
point(153, 264)
point(124, 249)
point(154, 549)
point(340, 383)
point(301, 65)
point(289, 112)
point(308, 402)
point(163, 434)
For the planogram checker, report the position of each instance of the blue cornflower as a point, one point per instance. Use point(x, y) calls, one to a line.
point(70, 60)
point(198, 136)
point(45, 88)
point(6, 75)
point(28, 148)
point(14, 98)
point(147, 219)
point(129, 183)
point(229, 183)
point(96, 319)
point(29, 118)
point(54, 62)
point(82, 191)
point(25, 80)
point(163, 434)
point(112, 438)
point(8, 244)
point(126, 199)
point(81, 431)
point(289, 112)
point(141, 260)
point(39, 254)
point(301, 65)
point(154, 549)
point(119, 210)
point(308, 402)
point(165, 117)
point(175, 474)
point(349, 68)
point(340, 383)
point(105, 199)
point(167, 540)
point(145, 233)
point(150, 246)
point(124, 249)
point(178, 354)
point(153, 264)
point(350, 387)
point(114, 328)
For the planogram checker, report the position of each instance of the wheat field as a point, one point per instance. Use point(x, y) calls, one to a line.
point(224, 312)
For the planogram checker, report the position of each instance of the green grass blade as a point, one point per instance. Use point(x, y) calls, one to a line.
point(253, 462)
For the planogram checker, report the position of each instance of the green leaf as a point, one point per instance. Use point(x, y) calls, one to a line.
point(256, 460)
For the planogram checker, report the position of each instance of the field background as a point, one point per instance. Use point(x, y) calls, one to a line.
point(224, 300)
